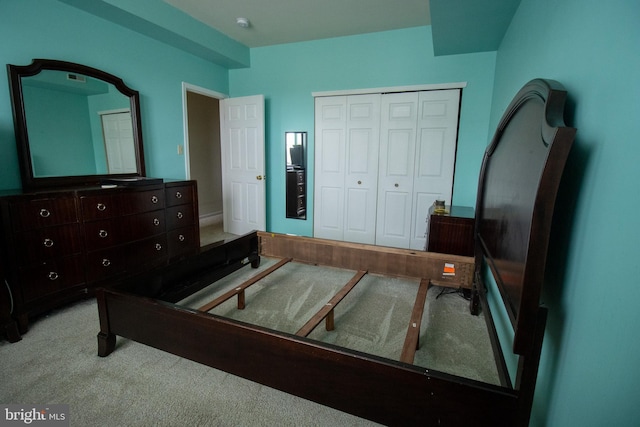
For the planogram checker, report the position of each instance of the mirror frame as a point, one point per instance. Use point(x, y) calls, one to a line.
point(29, 181)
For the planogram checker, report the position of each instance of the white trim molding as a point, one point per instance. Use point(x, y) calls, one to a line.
point(393, 89)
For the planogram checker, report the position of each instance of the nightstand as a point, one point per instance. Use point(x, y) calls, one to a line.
point(451, 232)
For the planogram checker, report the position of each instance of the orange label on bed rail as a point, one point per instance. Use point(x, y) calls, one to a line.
point(449, 269)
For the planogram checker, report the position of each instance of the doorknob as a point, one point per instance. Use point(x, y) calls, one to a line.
point(259, 177)
point(396, 185)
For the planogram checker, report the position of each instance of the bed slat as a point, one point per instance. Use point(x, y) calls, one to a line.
point(327, 310)
point(412, 340)
point(239, 290)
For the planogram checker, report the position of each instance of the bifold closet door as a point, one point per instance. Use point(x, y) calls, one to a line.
point(418, 139)
point(380, 162)
point(395, 182)
point(436, 143)
point(346, 167)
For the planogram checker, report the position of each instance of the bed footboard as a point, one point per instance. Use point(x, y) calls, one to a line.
point(378, 389)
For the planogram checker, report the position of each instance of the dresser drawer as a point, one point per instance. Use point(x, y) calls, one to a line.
point(180, 216)
point(179, 194)
point(182, 241)
point(50, 277)
point(44, 244)
point(126, 258)
point(106, 205)
point(105, 263)
point(148, 251)
point(111, 232)
point(43, 212)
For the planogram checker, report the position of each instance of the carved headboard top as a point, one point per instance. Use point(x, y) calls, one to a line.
point(519, 180)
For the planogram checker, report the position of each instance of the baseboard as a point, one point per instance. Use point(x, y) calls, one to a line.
point(211, 219)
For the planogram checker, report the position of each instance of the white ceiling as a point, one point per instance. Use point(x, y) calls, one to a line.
point(285, 21)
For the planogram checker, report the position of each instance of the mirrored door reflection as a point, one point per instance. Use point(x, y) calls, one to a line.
point(296, 179)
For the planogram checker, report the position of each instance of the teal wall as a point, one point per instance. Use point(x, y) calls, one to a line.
point(51, 29)
point(288, 74)
point(589, 375)
point(56, 134)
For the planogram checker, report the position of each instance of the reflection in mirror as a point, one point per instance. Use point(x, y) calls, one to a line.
point(75, 125)
point(296, 191)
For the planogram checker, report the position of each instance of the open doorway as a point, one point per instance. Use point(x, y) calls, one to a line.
point(201, 109)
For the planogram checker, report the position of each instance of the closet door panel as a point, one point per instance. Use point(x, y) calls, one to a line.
point(397, 165)
point(357, 219)
point(330, 220)
point(437, 137)
point(361, 174)
point(422, 201)
point(330, 153)
point(395, 221)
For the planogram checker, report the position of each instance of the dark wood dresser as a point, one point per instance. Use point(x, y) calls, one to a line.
point(296, 193)
point(451, 232)
point(57, 246)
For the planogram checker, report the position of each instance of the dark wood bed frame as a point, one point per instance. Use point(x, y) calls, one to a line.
point(520, 175)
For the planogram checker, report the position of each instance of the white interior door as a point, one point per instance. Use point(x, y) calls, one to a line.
point(438, 113)
point(397, 155)
point(117, 131)
point(243, 166)
point(330, 121)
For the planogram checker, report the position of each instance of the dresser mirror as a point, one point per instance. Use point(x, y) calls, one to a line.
point(74, 125)
point(296, 192)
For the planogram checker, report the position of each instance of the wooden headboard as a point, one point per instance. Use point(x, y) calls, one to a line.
point(519, 179)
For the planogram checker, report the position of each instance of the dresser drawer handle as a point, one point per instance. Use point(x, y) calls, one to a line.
point(156, 221)
point(180, 215)
point(154, 199)
point(47, 243)
point(101, 207)
point(106, 262)
point(44, 213)
point(53, 275)
point(181, 237)
point(158, 247)
point(178, 195)
point(103, 233)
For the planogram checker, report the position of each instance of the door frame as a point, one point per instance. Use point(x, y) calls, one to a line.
point(187, 87)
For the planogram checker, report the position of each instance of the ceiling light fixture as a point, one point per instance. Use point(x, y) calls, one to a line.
point(242, 22)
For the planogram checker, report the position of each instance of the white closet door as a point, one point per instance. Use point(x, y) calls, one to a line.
point(395, 184)
point(330, 121)
point(381, 161)
point(438, 113)
point(361, 171)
